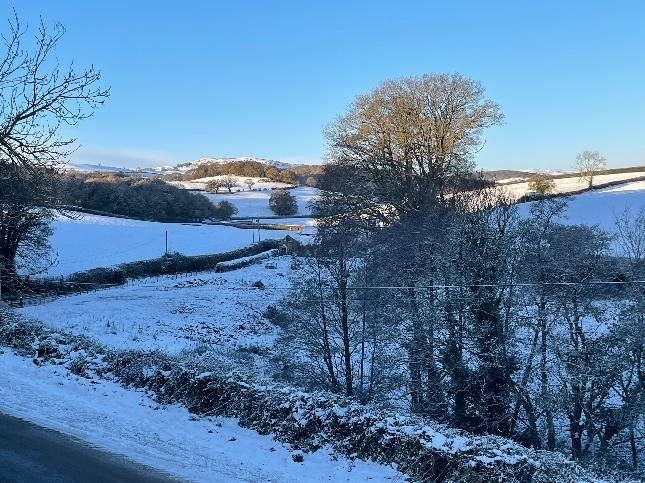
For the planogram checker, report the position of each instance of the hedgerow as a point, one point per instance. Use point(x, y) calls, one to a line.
point(307, 421)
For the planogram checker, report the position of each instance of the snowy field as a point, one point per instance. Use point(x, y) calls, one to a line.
point(600, 207)
point(240, 185)
point(256, 203)
point(575, 183)
point(220, 311)
point(100, 241)
point(129, 423)
point(188, 309)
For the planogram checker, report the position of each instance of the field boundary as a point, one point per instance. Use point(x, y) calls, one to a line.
point(35, 291)
point(308, 421)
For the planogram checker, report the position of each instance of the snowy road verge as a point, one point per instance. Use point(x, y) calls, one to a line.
point(165, 437)
point(49, 391)
point(311, 422)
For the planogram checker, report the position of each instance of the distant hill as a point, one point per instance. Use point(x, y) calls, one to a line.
point(504, 174)
point(182, 168)
point(92, 168)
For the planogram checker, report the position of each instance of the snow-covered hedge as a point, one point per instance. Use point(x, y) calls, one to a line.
point(244, 261)
point(170, 264)
point(308, 421)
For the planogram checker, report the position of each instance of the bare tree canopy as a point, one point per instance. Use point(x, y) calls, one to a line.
point(38, 95)
point(229, 182)
point(214, 185)
point(588, 163)
point(414, 136)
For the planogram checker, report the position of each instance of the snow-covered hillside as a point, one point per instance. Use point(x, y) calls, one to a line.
point(169, 438)
point(240, 183)
point(573, 183)
point(185, 167)
point(163, 170)
point(91, 241)
point(216, 160)
point(221, 310)
point(600, 207)
point(256, 203)
point(223, 316)
point(93, 168)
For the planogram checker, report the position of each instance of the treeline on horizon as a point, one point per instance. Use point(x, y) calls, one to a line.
point(135, 197)
point(296, 175)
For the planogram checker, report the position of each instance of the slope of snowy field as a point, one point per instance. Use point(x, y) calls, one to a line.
point(574, 183)
point(100, 241)
point(256, 203)
point(240, 185)
point(220, 310)
point(168, 438)
point(600, 207)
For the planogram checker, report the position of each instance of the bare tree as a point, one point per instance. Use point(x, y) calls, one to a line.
point(214, 185)
point(229, 182)
point(27, 205)
point(38, 95)
point(414, 137)
point(250, 183)
point(630, 230)
point(588, 163)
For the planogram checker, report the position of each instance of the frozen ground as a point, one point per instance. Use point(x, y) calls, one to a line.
point(600, 207)
point(129, 423)
point(219, 310)
point(101, 241)
point(256, 203)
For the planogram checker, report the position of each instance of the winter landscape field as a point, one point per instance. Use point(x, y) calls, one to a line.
point(332, 243)
point(88, 241)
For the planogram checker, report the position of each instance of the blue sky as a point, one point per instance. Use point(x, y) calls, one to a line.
point(191, 79)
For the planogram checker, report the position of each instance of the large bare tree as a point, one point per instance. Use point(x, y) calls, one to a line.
point(413, 137)
point(588, 163)
point(37, 97)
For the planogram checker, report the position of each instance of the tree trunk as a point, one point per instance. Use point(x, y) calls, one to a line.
point(344, 315)
point(326, 347)
point(575, 428)
point(633, 448)
point(415, 354)
point(544, 377)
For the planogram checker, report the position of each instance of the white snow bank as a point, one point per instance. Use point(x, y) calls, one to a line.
point(129, 423)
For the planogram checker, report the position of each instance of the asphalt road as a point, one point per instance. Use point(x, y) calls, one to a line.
point(30, 453)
